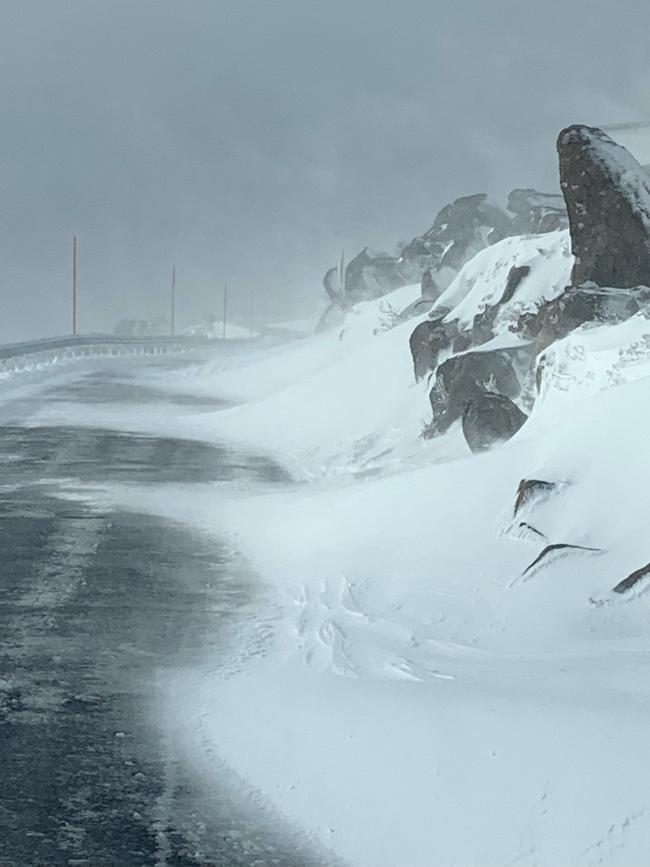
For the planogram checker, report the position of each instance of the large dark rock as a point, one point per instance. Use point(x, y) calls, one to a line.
point(516, 276)
point(371, 275)
point(490, 418)
point(607, 194)
point(536, 213)
point(465, 377)
point(458, 232)
point(577, 306)
point(428, 285)
point(426, 341)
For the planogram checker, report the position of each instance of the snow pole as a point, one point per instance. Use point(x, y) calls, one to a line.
point(173, 300)
point(74, 285)
point(225, 310)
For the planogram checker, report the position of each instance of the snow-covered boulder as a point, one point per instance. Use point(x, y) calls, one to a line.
point(464, 377)
point(372, 274)
point(578, 306)
point(460, 230)
point(607, 193)
point(505, 281)
point(490, 418)
point(537, 212)
point(426, 342)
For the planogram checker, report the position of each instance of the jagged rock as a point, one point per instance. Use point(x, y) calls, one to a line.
point(576, 306)
point(536, 213)
point(428, 285)
point(459, 230)
point(483, 323)
point(490, 418)
point(515, 277)
point(331, 284)
point(530, 490)
point(553, 549)
point(607, 194)
point(632, 579)
point(462, 341)
point(371, 275)
point(464, 377)
point(426, 341)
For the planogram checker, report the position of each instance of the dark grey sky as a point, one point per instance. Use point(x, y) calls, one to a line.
point(249, 141)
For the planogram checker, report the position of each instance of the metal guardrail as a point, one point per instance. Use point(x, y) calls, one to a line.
point(105, 341)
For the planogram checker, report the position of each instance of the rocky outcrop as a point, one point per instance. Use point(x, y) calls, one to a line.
point(532, 490)
point(632, 579)
point(371, 275)
point(460, 230)
point(490, 418)
point(536, 213)
point(426, 342)
point(331, 285)
point(577, 306)
point(607, 194)
point(465, 377)
point(552, 552)
point(428, 285)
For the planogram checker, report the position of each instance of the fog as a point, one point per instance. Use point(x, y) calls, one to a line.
point(248, 142)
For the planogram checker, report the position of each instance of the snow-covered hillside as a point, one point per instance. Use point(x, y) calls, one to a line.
point(447, 682)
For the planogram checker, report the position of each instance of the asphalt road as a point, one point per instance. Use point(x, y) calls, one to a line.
point(96, 606)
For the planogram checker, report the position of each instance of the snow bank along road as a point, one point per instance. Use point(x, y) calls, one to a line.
point(97, 607)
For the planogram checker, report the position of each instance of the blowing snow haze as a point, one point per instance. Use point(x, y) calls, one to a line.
point(249, 142)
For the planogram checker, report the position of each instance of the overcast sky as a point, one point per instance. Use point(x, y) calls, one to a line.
point(250, 141)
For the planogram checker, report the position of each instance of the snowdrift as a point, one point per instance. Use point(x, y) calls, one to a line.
point(449, 682)
point(447, 677)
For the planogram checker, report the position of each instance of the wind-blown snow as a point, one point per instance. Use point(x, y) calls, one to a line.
point(482, 281)
point(336, 400)
point(590, 360)
point(424, 697)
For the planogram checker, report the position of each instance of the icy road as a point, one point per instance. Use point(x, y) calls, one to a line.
point(98, 609)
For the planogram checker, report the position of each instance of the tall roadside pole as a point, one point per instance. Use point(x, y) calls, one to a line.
point(74, 285)
point(173, 301)
point(225, 310)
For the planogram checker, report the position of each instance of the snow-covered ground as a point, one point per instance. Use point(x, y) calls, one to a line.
point(424, 697)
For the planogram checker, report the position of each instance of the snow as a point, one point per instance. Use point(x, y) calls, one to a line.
point(482, 281)
point(419, 686)
point(590, 360)
point(39, 356)
point(335, 400)
point(213, 328)
point(422, 699)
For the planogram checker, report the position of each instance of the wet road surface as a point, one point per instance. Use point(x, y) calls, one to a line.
point(96, 606)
